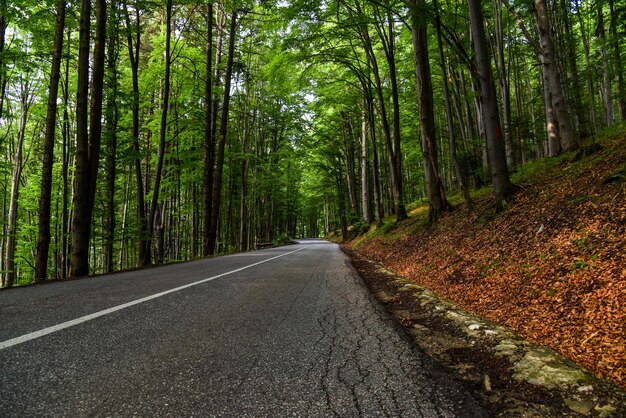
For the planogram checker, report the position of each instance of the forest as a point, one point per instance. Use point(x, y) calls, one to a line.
point(139, 132)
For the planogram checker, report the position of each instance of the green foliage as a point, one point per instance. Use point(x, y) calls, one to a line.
point(301, 78)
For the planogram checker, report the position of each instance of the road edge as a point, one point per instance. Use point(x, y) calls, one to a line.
point(508, 374)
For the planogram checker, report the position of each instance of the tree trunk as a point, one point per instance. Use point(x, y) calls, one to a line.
point(552, 124)
point(617, 58)
point(572, 59)
point(460, 173)
point(348, 148)
point(134, 46)
point(609, 115)
point(112, 116)
point(219, 167)
point(502, 185)
point(505, 83)
point(379, 212)
point(434, 186)
point(209, 144)
point(154, 207)
point(80, 223)
point(342, 205)
point(392, 155)
point(569, 141)
point(43, 238)
point(365, 167)
point(589, 68)
point(396, 167)
point(3, 28)
point(66, 165)
point(11, 274)
point(209, 226)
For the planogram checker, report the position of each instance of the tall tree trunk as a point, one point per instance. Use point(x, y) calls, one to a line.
point(379, 212)
point(43, 238)
point(245, 163)
point(609, 116)
point(87, 141)
point(343, 222)
point(25, 101)
point(209, 144)
point(395, 99)
point(505, 84)
point(3, 76)
point(502, 185)
point(134, 47)
point(65, 165)
point(617, 58)
point(348, 148)
point(569, 141)
point(570, 45)
point(589, 68)
point(394, 155)
point(80, 224)
point(434, 186)
point(365, 167)
point(552, 124)
point(219, 166)
point(112, 116)
point(154, 207)
point(460, 174)
point(221, 19)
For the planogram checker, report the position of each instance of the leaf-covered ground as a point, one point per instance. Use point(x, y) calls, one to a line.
point(552, 267)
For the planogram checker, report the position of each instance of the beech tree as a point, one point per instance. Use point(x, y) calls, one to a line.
point(489, 108)
point(88, 134)
point(43, 240)
point(434, 187)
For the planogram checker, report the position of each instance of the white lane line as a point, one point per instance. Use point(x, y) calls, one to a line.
point(42, 332)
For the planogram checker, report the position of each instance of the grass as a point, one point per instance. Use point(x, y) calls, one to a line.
point(570, 163)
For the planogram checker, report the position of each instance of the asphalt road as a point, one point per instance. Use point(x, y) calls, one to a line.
point(290, 331)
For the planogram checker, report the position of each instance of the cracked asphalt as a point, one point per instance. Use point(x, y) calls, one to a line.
point(298, 335)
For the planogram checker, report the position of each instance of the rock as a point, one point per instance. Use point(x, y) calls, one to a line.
point(487, 383)
point(581, 407)
point(605, 411)
point(543, 367)
point(506, 348)
point(384, 296)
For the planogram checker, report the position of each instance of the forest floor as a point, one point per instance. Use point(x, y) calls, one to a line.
point(551, 267)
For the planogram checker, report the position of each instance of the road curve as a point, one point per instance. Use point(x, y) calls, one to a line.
point(290, 331)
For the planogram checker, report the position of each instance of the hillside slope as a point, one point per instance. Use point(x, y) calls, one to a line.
point(552, 267)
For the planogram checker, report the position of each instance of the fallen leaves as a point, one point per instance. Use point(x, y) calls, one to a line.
point(551, 268)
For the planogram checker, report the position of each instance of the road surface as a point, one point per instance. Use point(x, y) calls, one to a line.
point(288, 331)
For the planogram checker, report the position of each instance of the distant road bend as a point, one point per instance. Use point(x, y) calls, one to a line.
point(288, 331)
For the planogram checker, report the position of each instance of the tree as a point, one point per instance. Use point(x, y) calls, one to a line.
point(569, 141)
point(154, 207)
point(502, 185)
point(434, 186)
point(460, 173)
point(26, 98)
point(43, 240)
point(134, 48)
point(217, 181)
point(394, 153)
point(209, 145)
point(89, 130)
point(617, 58)
point(112, 123)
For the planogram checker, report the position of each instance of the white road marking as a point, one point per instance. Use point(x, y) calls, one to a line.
point(42, 332)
